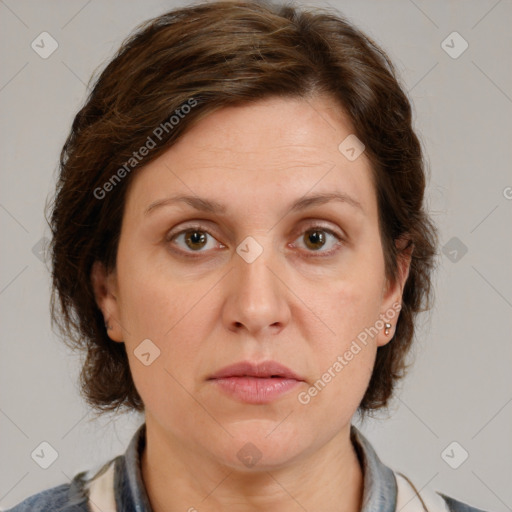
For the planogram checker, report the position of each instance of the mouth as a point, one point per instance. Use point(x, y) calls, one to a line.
point(264, 370)
point(256, 383)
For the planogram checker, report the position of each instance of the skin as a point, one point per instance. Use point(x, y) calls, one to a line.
point(211, 311)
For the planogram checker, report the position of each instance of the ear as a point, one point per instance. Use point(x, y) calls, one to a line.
point(105, 292)
point(393, 291)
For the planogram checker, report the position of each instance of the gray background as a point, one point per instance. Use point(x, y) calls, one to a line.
point(460, 387)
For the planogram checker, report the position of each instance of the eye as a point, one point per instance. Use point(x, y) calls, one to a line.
point(193, 239)
point(317, 238)
point(196, 239)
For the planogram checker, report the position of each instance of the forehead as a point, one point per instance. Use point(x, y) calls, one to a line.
point(266, 152)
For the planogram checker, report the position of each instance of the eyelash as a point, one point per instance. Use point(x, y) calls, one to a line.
point(203, 229)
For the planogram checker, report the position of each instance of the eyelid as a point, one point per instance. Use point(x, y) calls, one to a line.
point(197, 225)
point(318, 224)
point(311, 223)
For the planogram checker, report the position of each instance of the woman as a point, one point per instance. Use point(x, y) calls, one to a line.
point(240, 246)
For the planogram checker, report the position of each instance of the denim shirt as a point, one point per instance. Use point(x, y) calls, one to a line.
point(379, 487)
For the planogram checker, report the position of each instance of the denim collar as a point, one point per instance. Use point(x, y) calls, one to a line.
point(379, 487)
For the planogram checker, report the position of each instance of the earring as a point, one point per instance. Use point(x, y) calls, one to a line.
point(387, 327)
point(108, 326)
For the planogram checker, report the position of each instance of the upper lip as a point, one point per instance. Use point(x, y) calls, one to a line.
point(264, 369)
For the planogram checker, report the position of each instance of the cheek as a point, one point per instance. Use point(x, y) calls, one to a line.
point(345, 354)
point(170, 312)
point(352, 302)
point(343, 360)
point(150, 304)
point(351, 312)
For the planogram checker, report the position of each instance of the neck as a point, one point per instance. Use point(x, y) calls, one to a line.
point(178, 479)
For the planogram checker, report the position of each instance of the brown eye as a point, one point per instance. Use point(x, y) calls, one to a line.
point(318, 239)
point(314, 238)
point(195, 239)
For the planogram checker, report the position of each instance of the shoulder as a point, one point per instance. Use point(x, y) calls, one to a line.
point(68, 497)
point(458, 506)
point(411, 498)
point(99, 485)
point(55, 499)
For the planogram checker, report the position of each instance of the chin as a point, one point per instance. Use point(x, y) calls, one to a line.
point(262, 445)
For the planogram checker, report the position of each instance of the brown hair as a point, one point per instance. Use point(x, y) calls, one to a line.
point(208, 56)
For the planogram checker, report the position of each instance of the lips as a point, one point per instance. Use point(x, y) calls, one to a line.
point(263, 370)
point(256, 383)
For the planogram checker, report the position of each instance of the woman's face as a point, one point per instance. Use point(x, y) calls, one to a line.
point(255, 279)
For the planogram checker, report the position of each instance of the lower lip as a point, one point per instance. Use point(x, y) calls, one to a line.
point(255, 390)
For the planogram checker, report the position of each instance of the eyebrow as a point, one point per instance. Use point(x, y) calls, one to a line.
point(210, 206)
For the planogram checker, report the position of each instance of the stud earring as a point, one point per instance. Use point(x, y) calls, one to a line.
point(387, 328)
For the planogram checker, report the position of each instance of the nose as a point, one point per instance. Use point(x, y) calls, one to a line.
point(256, 298)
